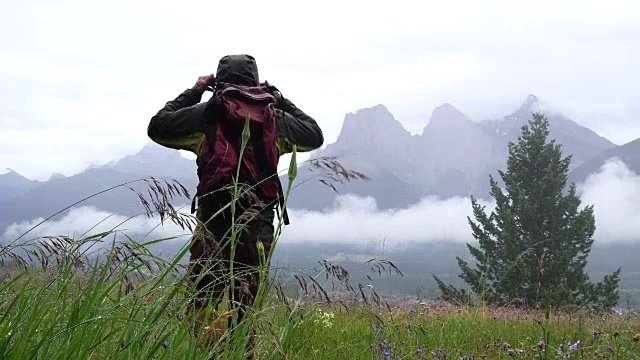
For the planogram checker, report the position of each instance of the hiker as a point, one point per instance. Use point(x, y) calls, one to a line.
point(186, 123)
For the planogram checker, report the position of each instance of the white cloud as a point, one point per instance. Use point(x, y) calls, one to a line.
point(358, 220)
point(86, 221)
point(615, 193)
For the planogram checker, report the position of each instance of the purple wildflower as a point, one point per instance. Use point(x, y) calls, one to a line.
point(439, 352)
point(419, 351)
point(165, 345)
point(610, 348)
point(574, 347)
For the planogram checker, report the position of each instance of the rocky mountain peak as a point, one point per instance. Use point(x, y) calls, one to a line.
point(371, 124)
point(56, 176)
point(531, 99)
point(446, 116)
point(11, 178)
point(12, 174)
point(152, 149)
point(531, 104)
point(154, 159)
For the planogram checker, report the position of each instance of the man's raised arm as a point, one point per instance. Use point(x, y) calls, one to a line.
point(296, 127)
point(179, 125)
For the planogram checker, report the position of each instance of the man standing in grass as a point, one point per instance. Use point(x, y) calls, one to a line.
point(186, 123)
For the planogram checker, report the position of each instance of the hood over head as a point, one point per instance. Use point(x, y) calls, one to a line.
point(238, 69)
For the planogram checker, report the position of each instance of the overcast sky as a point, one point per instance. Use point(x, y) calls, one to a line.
point(79, 80)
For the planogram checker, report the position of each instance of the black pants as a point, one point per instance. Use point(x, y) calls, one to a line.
point(211, 257)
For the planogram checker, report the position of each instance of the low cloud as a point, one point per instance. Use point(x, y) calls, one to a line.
point(358, 220)
point(615, 193)
point(87, 221)
point(614, 190)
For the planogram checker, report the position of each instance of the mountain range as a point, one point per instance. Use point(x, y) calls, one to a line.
point(453, 156)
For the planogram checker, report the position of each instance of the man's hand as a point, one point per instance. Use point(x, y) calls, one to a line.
point(275, 90)
point(203, 82)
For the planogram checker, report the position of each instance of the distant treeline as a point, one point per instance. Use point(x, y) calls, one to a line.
point(418, 262)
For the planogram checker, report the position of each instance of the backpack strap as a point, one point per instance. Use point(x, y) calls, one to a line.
point(259, 152)
point(212, 111)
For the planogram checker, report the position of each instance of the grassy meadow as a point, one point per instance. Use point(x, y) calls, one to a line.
point(62, 312)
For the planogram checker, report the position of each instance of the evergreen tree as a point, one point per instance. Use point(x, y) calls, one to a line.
point(533, 247)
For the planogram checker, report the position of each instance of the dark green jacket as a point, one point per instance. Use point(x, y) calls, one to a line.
point(180, 123)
